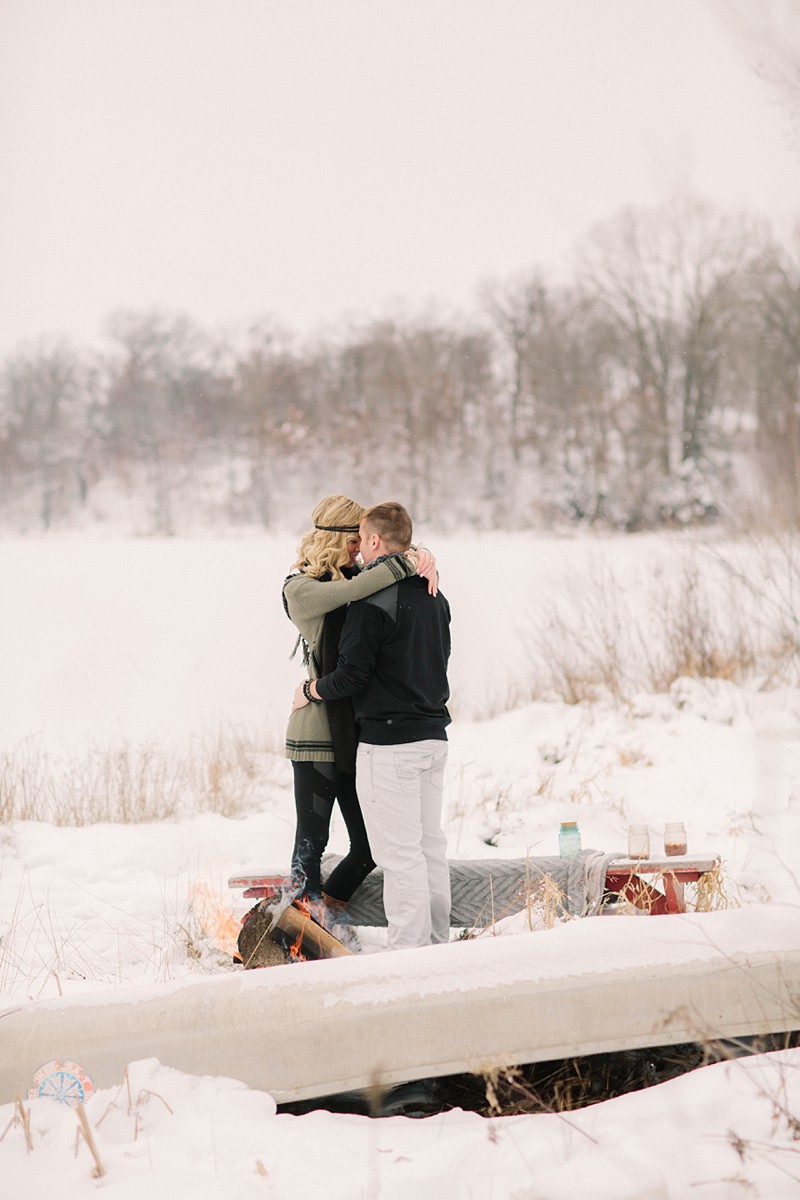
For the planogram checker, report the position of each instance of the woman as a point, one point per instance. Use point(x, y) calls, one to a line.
point(321, 738)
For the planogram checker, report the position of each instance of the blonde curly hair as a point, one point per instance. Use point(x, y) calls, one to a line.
point(322, 550)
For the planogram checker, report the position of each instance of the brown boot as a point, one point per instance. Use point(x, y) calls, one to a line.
point(334, 906)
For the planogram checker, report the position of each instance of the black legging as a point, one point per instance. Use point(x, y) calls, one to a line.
point(317, 785)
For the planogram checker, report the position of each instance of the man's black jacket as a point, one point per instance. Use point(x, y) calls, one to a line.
point(393, 654)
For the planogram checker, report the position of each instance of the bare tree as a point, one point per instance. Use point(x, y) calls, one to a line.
point(768, 35)
point(519, 312)
point(47, 416)
point(158, 373)
point(774, 366)
point(273, 412)
point(667, 278)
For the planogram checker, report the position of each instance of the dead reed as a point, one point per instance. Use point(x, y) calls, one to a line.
point(129, 784)
point(565, 1085)
point(731, 615)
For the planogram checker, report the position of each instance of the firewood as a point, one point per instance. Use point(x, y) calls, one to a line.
point(308, 939)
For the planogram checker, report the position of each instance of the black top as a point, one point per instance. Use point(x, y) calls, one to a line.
point(341, 718)
point(393, 654)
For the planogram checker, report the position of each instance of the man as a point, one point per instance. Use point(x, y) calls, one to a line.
point(393, 655)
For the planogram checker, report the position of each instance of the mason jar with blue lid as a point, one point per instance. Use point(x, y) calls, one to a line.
point(569, 839)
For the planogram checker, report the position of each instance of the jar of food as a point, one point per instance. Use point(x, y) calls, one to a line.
point(569, 839)
point(675, 838)
point(638, 842)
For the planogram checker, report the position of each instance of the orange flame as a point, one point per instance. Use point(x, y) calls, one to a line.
point(214, 917)
point(296, 948)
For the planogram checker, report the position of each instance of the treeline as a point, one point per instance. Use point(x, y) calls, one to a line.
point(659, 384)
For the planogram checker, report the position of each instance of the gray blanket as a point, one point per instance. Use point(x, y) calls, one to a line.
point(486, 890)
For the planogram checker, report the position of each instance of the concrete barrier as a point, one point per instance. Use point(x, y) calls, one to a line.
point(317, 1028)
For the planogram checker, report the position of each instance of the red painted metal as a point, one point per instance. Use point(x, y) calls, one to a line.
point(628, 882)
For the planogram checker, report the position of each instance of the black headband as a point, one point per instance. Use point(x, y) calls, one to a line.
point(338, 528)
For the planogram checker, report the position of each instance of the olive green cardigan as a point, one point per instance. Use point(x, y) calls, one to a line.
point(308, 736)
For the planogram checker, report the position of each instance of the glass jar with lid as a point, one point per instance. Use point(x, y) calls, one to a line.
point(638, 842)
point(675, 840)
point(569, 839)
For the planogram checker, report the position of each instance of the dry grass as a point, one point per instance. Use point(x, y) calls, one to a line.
point(549, 903)
point(733, 616)
point(43, 947)
point(132, 784)
point(566, 1085)
point(542, 900)
point(714, 891)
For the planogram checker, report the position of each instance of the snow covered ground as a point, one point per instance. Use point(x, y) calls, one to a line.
point(165, 666)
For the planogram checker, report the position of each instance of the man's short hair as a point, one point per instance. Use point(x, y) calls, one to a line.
point(392, 522)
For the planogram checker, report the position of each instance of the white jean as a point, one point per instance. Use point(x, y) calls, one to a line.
point(400, 790)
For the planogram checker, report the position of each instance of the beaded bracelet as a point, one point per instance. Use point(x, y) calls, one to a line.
point(307, 692)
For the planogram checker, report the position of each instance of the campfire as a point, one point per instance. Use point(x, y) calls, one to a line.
point(215, 919)
point(276, 932)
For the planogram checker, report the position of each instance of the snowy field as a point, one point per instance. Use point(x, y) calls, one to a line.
point(153, 679)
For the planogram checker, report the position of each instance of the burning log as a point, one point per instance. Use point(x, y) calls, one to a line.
point(310, 939)
point(256, 947)
point(295, 936)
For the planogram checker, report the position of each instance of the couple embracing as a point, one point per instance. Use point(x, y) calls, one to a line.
point(367, 727)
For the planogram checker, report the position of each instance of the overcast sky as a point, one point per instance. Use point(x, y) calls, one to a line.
point(312, 158)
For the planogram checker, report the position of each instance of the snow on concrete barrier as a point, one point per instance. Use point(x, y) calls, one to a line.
point(318, 1028)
